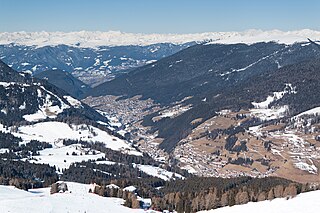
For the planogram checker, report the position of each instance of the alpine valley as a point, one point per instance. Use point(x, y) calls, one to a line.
point(121, 122)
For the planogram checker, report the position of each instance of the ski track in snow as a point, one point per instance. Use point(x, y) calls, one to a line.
point(252, 64)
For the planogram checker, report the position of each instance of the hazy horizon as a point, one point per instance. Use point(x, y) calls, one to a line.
point(165, 33)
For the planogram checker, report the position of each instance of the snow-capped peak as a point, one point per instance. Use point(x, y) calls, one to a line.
point(117, 38)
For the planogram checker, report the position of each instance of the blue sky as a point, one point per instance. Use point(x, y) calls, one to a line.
point(158, 16)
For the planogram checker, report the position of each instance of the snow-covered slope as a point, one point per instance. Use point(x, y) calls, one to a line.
point(54, 132)
point(116, 38)
point(25, 99)
point(36, 100)
point(313, 111)
point(158, 172)
point(306, 203)
point(263, 111)
point(59, 158)
point(77, 199)
point(62, 156)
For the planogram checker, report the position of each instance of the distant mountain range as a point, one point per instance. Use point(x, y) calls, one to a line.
point(96, 57)
point(205, 69)
point(116, 38)
point(91, 65)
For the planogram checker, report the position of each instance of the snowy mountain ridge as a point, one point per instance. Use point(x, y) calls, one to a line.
point(117, 38)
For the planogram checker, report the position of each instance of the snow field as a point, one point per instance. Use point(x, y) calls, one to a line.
point(306, 202)
point(158, 172)
point(77, 199)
